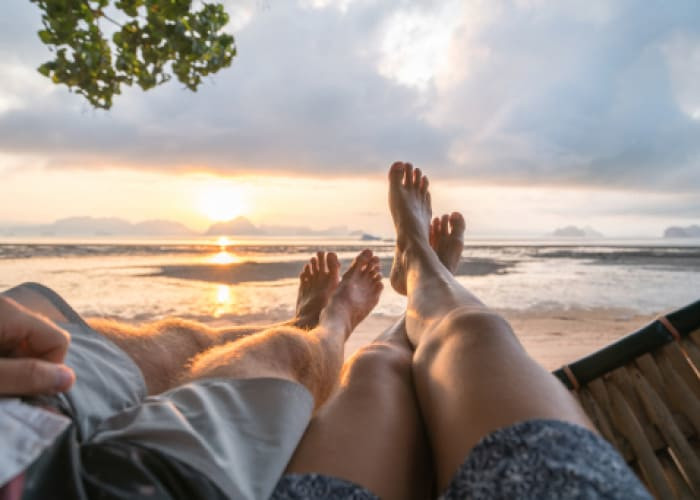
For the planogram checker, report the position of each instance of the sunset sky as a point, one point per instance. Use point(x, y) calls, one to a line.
point(527, 115)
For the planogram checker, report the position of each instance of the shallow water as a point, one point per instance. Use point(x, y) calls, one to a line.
point(201, 279)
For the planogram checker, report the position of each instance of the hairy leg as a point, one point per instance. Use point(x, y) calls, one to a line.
point(162, 349)
point(371, 430)
point(311, 357)
point(472, 376)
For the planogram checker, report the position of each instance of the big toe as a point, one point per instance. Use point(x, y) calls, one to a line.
point(361, 261)
point(396, 173)
point(457, 224)
point(333, 263)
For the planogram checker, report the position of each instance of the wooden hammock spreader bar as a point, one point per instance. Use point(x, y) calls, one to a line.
point(673, 326)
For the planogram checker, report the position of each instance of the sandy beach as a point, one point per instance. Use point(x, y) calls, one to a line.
point(553, 338)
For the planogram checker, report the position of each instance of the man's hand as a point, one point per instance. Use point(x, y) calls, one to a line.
point(31, 352)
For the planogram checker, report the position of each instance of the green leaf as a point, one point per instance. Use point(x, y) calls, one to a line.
point(172, 39)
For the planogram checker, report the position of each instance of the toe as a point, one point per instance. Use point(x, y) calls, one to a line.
point(408, 174)
point(444, 226)
point(434, 231)
point(457, 224)
point(424, 184)
point(396, 172)
point(314, 265)
point(321, 256)
point(360, 261)
point(417, 177)
point(333, 264)
point(305, 273)
point(372, 266)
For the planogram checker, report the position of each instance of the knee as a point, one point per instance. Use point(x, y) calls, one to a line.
point(465, 329)
point(379, 361)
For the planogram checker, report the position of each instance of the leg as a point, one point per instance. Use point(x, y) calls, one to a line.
point(163, 348)
point(312, 358)
point(472, 375)
point(371, 431)
point(375, 413)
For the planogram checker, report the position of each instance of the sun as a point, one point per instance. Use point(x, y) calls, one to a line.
point(222, 201)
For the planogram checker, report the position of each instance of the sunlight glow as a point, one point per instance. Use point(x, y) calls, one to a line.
point(223, 294)
point(224, 257)
point(222, 201)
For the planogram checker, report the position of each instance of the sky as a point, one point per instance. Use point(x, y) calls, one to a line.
point(527, 115)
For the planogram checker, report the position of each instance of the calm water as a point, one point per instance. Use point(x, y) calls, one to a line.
point(255, 279)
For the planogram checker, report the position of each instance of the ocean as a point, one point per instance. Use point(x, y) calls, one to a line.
point(238, 281)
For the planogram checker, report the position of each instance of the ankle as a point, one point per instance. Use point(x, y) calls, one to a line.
point(335, 320)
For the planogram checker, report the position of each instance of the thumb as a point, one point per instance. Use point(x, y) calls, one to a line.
point(25, 376)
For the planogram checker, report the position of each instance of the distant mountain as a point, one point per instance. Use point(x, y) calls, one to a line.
point(101, 226)
point(306, 231)
point(682, 232)
point(576, 232)
point(238, 226)
point(241, 226)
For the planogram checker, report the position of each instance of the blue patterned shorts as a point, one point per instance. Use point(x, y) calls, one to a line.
point(543, 459)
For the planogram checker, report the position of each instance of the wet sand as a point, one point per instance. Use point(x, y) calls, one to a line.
point(243, 272)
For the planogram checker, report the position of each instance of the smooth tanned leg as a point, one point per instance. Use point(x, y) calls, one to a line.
point(472, 376)
point(371, 432)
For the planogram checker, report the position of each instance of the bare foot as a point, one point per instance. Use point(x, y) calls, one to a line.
point(356, 295)
point(317, 282)
point(409, 203)
point(447, 239)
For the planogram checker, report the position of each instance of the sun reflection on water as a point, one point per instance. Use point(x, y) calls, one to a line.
point(223, 300)
point(224, 257)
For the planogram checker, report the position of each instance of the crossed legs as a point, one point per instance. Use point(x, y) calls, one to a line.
point(371, 431)
point(468, 376)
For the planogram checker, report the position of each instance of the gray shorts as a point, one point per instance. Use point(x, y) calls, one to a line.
point(240, 434)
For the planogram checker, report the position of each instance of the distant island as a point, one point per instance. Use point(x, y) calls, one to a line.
point(237, 226)
point(682, 232)
point(576, 232)
point(111, 226)
point(101, 226)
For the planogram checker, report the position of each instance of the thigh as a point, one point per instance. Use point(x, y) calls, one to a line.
point(369, 433)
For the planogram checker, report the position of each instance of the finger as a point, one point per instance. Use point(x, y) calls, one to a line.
point(25, 334)
point(32, 376)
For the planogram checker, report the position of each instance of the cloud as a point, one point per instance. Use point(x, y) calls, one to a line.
point(522, 92)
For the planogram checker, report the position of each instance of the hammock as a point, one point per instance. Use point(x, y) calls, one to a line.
point(643, 394)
